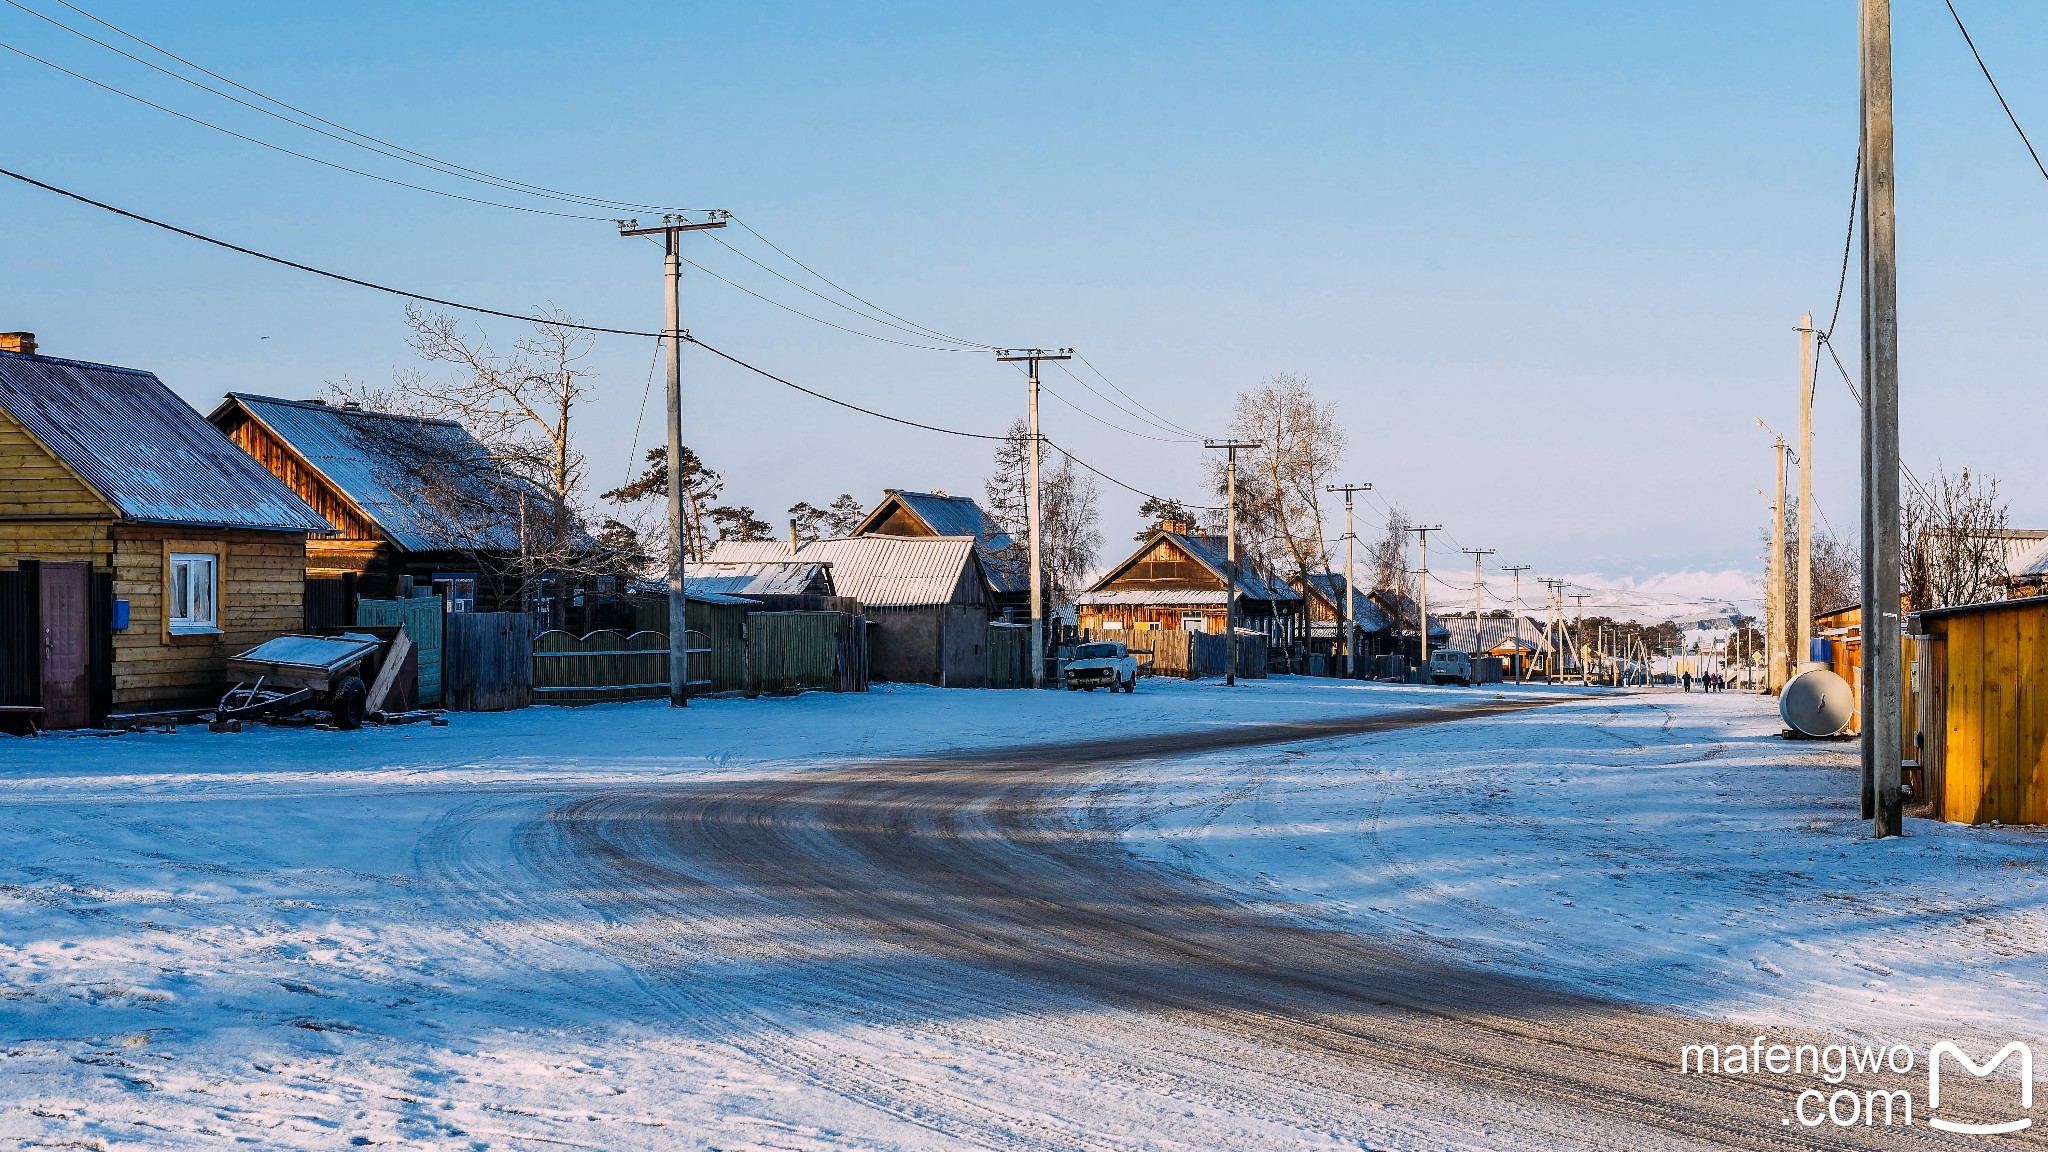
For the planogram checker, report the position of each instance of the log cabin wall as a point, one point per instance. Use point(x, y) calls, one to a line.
point(261, 594)
point(1988, 712)
point(47, 512)
point(359, 547)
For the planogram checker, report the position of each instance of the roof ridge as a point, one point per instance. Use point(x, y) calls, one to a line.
point(77, 363)
point(321, 406)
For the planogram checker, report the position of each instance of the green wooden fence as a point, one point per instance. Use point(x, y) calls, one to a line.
point(1009, 655)
point(605, 665)
point(792, 651)
point(422, 619)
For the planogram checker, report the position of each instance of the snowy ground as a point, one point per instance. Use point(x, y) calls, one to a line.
point(308, 939)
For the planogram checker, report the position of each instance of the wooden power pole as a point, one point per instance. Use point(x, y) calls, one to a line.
point(1883, 703)
point(1032, 356)
point(1230, 543)
point(671, 231)
point(1350, 577)
point(1478, 602)
point(1515, 611)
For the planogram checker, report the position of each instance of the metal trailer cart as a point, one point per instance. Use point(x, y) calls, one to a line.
point(294, 672)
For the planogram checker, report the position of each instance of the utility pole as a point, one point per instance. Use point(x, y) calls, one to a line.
point(1883, 700)
point(1032, 356)
point(1802, 654)
point(1350, 576)
point(1553, 612)
point(671, 231)
point(1774, 593)
point(1515, 610)
point(1422, 585)
point(1580, 628)
point(1478, 602)
point(1230, 543)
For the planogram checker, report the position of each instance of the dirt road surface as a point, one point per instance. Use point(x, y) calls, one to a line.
point(959, 949)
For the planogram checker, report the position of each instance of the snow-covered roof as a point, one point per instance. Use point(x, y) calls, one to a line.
point(879, 571)
point(762, 578)
point(144, 450)
point(368, 457)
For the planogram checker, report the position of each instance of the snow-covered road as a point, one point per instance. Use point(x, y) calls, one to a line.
point(415, 937)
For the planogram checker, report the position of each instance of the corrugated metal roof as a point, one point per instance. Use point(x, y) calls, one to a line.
point(1400, 607)
point(1368, 615)
point(1212, 553)
point(879, 571)
point(1161, 597)
point(767, 578)
point(363, 454)
point(1498, 633)
point(145, 450)
point(1003, 560)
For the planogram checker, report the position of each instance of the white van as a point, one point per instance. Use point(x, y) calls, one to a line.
point(1450, 666)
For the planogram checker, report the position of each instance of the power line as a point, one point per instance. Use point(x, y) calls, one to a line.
point(279, 148)
point(1848, 242)
point(928, 332)
point(819, 319)
point(1181, 436)
point(569, 324)
point(1982, 67)
point(913, 330)
point(1162, 421)
point(361, 140)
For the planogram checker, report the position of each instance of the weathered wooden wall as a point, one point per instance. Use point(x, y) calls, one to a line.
point(603, 665)
point(261, 594)
point(487, 664)
point(359, 547)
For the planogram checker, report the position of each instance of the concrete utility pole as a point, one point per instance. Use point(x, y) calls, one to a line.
point(1032, 356)
point(671, 231)
point(1802, 653)
point(1883, 691)
point(1478, 604)
point(1580, 628)
point(1350, 577)
point(1422, 586)
point(1230, 543)
point(1515, 610)
point(1553, 611)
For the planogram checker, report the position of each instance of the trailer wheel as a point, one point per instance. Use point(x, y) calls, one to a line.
point(348, 703)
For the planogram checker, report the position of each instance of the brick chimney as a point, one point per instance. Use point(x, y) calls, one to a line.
point(22, 342)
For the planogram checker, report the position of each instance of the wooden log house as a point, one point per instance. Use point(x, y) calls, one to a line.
point(1179, 580)
point(1004, 565)
point(139, 547)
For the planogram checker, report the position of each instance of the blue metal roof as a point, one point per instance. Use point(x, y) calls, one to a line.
point(148, 453)
point(1370, 618)
point(360, 452)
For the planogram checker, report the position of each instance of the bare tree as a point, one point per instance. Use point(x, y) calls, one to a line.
point(1386, 559)
point(1837, 574)
point(1953, 541)
point(1280, 484)
point(1067, 511)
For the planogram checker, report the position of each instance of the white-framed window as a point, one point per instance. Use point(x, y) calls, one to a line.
point(1194, 622)
point(194, 592)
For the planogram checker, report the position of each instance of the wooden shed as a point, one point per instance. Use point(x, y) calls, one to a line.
point(1982, 714)
point(146, 547)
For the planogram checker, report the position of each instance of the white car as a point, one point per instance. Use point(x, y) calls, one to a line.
point(1450, 666)
point(1102, 665)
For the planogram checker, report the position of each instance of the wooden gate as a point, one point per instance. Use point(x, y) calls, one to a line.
point(792, 651)
point(1009, 655)
point(487, 665)
point(422, 619)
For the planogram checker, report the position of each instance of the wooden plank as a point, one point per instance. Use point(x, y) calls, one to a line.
point(1966, 721)
point(394, 659)
point(2032, 774)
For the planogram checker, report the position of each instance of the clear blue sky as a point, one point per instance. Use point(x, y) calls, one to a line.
point(1547, 258)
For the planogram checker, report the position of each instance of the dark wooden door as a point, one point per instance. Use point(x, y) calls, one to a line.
point(66, 599)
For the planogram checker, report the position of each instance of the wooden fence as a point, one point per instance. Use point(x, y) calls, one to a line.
point(1009, 656)
point(487, 665)
point(604, 665)
point(422, 619)
point(718, 639)
point(794, 651)
point(1190, 655)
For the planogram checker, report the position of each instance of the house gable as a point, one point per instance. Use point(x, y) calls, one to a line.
point(256, 438)
point(1161, 564)
point(894, 518)
point(39, 483)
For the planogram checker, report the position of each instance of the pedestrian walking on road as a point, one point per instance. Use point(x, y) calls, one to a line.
point(1686, 679)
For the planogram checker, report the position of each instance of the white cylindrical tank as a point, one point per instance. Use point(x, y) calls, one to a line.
point(1817, 703)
